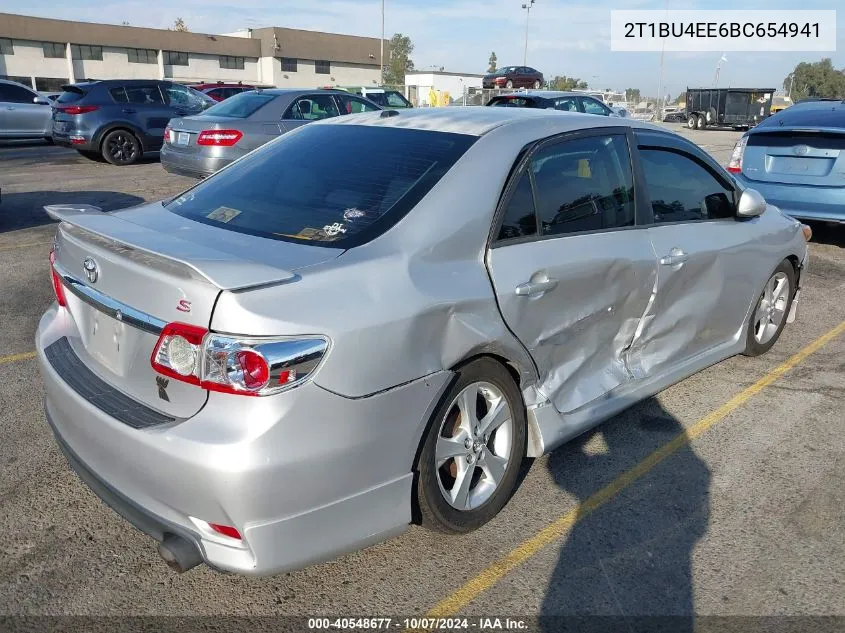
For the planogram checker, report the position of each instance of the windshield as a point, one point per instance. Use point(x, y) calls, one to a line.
point(241, 105)
point(331, 185)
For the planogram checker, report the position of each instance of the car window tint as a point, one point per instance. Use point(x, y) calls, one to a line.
point(682, 190)
point(395, 100)
point(180, 97)
point(567, 104)
point(351, 105)
point(313, 186)
point(584, 185)
point(119, 95)
point(313, 108)
point(144, 95)
point(241, 105)
point(513, 102)
point(519, 219)
point(9, 93)
point(591, 106)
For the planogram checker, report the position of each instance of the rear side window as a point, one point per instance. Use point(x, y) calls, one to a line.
point(330, 185)
point(144, 95)
point(513, 102)
point(241, 105)
point(396, 100)
point(584, 184)
point(119, 95)
point(520, 219)
point(351, 105)
point(566, 104)
point(313, 108)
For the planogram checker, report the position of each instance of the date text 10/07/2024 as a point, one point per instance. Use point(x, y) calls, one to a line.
point(419, 624)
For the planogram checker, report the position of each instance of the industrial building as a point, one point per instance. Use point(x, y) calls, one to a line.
point(46, 53)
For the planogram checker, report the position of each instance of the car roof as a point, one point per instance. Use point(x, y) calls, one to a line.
point(809, 114)
point(479, 120)
point(545, 94)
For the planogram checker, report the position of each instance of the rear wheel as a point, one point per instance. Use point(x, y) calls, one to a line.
point(473, 450)
point(537, 84)
point(769, 316)
point(120, 147)
point(692, 122)
point(509, 85)
point(700, 123)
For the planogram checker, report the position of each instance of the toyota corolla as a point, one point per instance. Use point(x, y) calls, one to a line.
point(372, 320)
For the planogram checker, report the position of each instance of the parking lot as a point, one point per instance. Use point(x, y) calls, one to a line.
point(722, 496)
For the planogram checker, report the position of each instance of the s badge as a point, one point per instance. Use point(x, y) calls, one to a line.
point(184, 305)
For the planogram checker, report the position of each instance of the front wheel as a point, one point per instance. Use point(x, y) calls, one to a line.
point(769, 316)
point(120, 147)
point(537, 85)
point(471, 456)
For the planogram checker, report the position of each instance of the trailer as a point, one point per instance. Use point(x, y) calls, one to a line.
point(727, 107)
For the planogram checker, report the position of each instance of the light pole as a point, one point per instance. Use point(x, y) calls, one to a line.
point(381, 55)
point(527, 6)
point(719, 68)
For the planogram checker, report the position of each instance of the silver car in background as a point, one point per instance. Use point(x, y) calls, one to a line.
point(309, 350)
point(199, 145)
point(24, 113)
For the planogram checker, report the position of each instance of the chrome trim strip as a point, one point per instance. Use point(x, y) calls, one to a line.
point(112, 307)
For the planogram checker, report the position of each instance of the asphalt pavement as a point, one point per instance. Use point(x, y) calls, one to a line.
point(722, 496)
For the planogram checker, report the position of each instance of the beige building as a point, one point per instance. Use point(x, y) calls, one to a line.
point(47, 53)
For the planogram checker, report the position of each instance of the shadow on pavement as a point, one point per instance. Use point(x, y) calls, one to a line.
point(828, 234)
point(627, 565)
point(26, 210)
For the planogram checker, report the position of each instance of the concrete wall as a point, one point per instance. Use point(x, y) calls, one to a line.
point(115, 64)
point(341, 74)
point(207, 68)
point(29, 61)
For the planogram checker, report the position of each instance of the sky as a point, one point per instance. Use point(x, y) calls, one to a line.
point(566, 37)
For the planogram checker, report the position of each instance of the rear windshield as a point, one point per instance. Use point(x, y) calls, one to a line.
point(328, 185)
point(813, 115)
point(69, 96)
point(242, 105)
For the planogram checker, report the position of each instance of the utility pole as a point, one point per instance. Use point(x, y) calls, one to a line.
point(381, 55)
point(718, 69)
point(658, 112)
point(527, 6)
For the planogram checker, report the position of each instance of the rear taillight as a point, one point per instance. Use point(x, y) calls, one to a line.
point(222, 138)
point(247, 366)
point(58, 287)
point(735, 164)
point(168, 135)
point(77, 109)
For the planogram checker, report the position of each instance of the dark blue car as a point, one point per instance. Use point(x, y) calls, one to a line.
point(796, 159)
point(120, 120)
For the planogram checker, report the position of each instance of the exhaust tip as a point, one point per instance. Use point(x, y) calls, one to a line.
point(179, 553)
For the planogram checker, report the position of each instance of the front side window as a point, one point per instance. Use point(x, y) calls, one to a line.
point(289, 65)
point(86, 53)
point(9, 93)
point(312, 186)
point(520, 219)
point(683, 190)
point(322, 67)
point(593, 106)
point(53, 49)
point(313, 108)
point(351, 105)
point(396, 100)
point(566, 104)
point(175, 58)
point(584, 184)
point(232, 63)
point(179, 96)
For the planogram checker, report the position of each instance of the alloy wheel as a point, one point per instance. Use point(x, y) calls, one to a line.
point(121, 147)
point(474, 445)
point(771, 308)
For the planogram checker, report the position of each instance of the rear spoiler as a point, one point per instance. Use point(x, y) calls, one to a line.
point(223, 270)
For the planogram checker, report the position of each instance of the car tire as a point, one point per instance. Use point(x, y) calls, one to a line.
point(692, 122)
point(486, 461)
point(537, 85)
point(711, 116)
point(49, 140)
point(768, 318)
point(700, 123)
point(120, 147)
point(509, 84)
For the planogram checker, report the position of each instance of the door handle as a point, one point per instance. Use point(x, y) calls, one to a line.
point(532, 288)
point(129, 111)
point(676, 256)
point(10, 107)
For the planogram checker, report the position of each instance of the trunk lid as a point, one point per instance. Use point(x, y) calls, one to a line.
point(128, 273)
point(798, 156)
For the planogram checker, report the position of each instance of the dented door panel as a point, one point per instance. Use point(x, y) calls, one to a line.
point(579, 330)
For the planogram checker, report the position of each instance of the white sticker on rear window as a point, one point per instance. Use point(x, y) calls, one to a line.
point(334, 229)
point(351, 214)
point(223, 214)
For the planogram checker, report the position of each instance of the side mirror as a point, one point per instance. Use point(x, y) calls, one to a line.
point(751, 204)
point(41, 101)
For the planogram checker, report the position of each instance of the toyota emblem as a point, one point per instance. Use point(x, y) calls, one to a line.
point(91, 270)
point(801, 150)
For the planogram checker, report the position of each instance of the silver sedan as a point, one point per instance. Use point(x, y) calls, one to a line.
point(199, 145)
point(372, 320)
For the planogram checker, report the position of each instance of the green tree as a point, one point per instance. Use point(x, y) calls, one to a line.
point(179, 25)
point(491, 63)
point(633, 95)
point(399, 62)
point(815, 79)
point(562, 82)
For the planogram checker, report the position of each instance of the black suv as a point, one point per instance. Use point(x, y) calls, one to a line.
point(120, 120)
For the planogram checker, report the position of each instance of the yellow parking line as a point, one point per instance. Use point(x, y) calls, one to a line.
point(559, 528)
point(17, 246)
point(16, 357)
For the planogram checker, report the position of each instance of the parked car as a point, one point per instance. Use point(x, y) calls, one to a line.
point(796, 160)
point(550, 99)
point(279, 364)
point(513, 77)
point(197, 146)
point(121, 119)
point(384, 97)
point(23, 112)
point(221, 90)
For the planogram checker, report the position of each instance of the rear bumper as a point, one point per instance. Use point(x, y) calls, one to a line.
point(823, 204)
point(191, 165)
point(304, 475)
